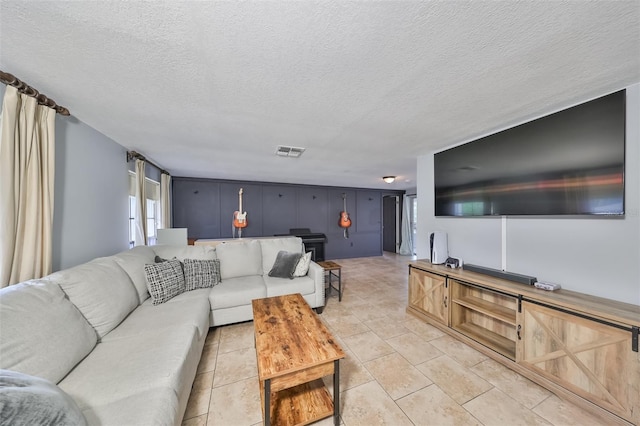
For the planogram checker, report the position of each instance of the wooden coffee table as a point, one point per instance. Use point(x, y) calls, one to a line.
point(295, 350)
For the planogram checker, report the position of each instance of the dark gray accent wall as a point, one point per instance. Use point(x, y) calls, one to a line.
point(205, 207)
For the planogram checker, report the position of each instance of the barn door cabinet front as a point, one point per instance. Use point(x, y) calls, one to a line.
point(429, 294)
point(592, 359)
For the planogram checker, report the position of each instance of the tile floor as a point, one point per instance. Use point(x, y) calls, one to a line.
point(398, 370)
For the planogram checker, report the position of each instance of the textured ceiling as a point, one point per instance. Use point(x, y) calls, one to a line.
point(209, 89)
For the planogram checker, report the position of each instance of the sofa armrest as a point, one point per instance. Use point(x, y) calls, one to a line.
point(316, 273)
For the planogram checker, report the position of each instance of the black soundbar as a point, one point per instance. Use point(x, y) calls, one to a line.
point(511, 276)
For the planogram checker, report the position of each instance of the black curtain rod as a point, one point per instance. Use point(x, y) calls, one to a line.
point(131, 155)
point(24, 88)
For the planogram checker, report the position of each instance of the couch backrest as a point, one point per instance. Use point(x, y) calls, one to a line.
point(41, 332)
point(185, 252)
point(133, 261)
point(271, 247)
point(101, 290)
point(239, 258)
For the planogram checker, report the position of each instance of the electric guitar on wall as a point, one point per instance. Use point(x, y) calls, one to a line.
point(345, 220)
point(239, 217)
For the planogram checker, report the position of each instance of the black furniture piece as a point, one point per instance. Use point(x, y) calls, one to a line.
point(313, 242)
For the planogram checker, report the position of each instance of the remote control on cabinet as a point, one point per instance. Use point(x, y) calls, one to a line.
point(546, 285)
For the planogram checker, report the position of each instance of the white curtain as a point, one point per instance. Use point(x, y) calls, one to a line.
point(27, 162)
point(141, 205)
point(165, 200)
point(406, 247)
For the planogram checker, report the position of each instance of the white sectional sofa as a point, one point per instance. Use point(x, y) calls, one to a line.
point(94, 331)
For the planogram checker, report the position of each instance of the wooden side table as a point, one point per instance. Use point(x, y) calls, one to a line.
point(331, 267)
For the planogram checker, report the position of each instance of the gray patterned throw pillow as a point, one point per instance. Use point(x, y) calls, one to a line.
point(165, 280)
point(201, 273)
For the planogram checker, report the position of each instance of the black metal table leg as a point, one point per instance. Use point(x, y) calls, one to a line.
point(267, 402)
point(336, 392)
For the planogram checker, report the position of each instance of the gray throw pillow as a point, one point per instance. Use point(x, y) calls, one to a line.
point(201, 273)
point(285, 264)
point(164, 280)
point(28, 400)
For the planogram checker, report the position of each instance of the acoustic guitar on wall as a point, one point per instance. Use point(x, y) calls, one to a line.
point(239, 217)
point(345, 220)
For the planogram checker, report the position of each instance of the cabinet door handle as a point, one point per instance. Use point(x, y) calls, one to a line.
point(518, 332)
point(445, 301)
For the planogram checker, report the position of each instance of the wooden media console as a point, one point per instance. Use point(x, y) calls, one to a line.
point(583, 348)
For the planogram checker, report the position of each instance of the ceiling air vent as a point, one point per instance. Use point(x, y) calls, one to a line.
point(289, 151)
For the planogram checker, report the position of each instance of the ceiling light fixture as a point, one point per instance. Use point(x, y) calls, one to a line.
point(389, 179)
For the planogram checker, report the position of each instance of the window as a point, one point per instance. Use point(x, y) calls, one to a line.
point(152, 190)
point(152, 221)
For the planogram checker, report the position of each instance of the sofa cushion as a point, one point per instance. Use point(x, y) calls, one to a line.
point(189, 308)
point(165, 280)
point(159, 364)
point(272, 246)
point(237, 292)
point(156, 406)
point(302, 268)
point(101, 290)
point(240, 259)
point(43, 333)
point(285, 264)
point(201, 273)
point(185, 252)
point(28, 400)
point(282, 286)
point(133, 261)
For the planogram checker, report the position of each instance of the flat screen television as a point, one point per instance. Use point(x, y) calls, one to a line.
point(567, 163)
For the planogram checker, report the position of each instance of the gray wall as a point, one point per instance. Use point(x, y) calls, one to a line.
point(91, 195)
point(91, 211)
point(597, 256)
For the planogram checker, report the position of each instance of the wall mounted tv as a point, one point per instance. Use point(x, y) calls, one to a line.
point(567, 163)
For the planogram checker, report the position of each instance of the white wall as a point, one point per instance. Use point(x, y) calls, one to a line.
point(593, 255)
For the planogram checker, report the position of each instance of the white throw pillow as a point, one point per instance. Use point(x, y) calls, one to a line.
point(303, 265)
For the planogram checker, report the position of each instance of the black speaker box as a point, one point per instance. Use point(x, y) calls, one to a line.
point(511, 276)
